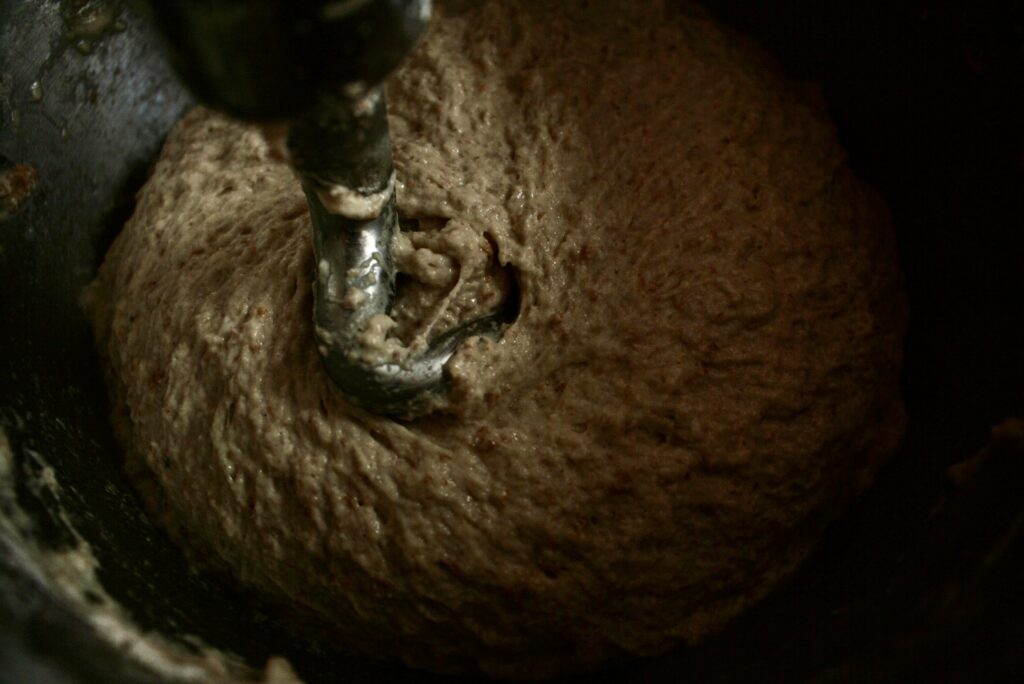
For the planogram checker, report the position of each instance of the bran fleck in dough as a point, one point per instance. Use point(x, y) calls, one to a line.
point(703, 371)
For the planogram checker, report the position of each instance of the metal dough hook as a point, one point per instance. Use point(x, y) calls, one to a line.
point(318, 64)
point(342, 154)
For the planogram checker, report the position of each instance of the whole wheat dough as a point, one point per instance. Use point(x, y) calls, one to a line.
point(703, 371)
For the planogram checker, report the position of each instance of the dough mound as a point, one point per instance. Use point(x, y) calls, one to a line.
point(703, 371)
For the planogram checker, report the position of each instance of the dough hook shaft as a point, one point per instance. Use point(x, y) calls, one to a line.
point(342, 153)
point(319, 65)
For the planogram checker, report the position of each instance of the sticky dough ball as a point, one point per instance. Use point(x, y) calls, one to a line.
point(703, 370)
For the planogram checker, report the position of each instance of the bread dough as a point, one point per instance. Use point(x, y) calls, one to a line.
point(703, 371)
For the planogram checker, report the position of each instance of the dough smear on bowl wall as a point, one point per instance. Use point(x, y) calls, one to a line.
point(703, 371)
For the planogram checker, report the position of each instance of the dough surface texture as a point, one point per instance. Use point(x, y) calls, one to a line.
point(703, 371)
